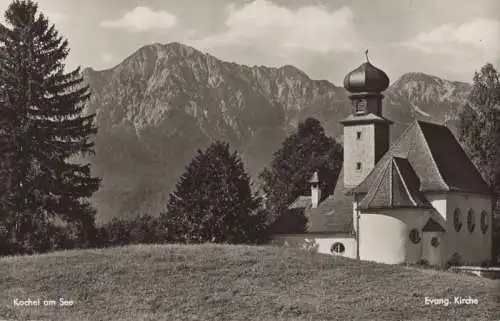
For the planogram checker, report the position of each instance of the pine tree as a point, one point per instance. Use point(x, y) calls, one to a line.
point(301, 154)
point(213, 201)
point(479, 134)
point(42, 131)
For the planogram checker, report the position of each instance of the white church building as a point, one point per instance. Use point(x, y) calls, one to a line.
point(420, 198)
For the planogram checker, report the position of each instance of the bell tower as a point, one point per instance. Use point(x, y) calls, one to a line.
point(366, 131)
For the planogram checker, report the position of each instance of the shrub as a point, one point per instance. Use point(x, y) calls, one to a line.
point(455, 260)
point(144, 229)
point(423, 263)
point(496, 240)
point(101, 238)
point(311, 246)
point(117, 232)
point(487, 263)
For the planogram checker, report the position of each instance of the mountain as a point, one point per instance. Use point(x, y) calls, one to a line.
point(428, 97)
point(162, 103)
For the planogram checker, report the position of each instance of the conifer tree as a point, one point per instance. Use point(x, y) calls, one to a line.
point(301, 154)
point(42, 131)
point(213, 201)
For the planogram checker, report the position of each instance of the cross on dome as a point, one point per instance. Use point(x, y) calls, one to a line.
point(366, 79)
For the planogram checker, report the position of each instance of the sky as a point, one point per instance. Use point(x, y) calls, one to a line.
point(324, 38)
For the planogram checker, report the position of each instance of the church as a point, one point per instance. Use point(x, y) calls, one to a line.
point(419, 198)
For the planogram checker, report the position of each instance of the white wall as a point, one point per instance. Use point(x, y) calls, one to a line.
point(384, 236)
point(323, 242)
point(355, 216)
point(475, 247)
point(437, 256)
point(433, 255)
point(315, 195)
point(439, 202)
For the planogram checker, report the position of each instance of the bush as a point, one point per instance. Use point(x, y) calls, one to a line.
point(310, 246)
point(6, 245)
point(30, 234)
point(289, 221)
point(496, 240)
point(486, 263)
point(144, 229)
point(101, 238)
point(455, 260)
point(423, 263)
point(117, 232)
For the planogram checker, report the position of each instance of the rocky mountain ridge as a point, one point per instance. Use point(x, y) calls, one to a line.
point(162, 103)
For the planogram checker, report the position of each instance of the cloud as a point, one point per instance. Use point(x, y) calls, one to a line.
point(480, 34)
point(465, 45)
point(264, 25)
point(142, 19)
point(56, 16)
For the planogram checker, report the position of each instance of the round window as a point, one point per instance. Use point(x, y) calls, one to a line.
point(337, 248)
point(471, 220)
point(457, 220)
point(435, 242)
point(484, 221)
point(415, 236)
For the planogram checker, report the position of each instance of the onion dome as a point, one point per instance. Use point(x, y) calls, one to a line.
point(366, 78)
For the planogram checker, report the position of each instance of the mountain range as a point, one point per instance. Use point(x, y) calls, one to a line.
point(165, 101)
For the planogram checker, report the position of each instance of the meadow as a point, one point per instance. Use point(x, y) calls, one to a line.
point(226, 282)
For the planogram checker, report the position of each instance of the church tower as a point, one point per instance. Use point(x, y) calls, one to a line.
point(366, 131)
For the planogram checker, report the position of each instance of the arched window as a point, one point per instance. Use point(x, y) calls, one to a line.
point(337, 247)
point(435, 242)
point(471, 220)
point(415, 236)
point(457, 220)
point(484, 221)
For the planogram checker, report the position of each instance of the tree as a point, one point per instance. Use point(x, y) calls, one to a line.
point(213, 201)
point(479, 125)
point(43, 130)
point(301, 154)
point(479, 134)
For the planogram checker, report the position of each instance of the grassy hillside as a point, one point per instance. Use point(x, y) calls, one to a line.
point(211, 282)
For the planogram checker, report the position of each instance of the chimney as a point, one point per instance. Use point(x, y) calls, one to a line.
point(315, 191)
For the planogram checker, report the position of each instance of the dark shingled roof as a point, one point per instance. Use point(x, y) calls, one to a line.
point(397, 186)
point(433, 226)
point(334, 214)
point(369, 118)
point(301, 202)
point(437, 158)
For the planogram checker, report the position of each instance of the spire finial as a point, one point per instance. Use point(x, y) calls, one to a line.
point(366, 55)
